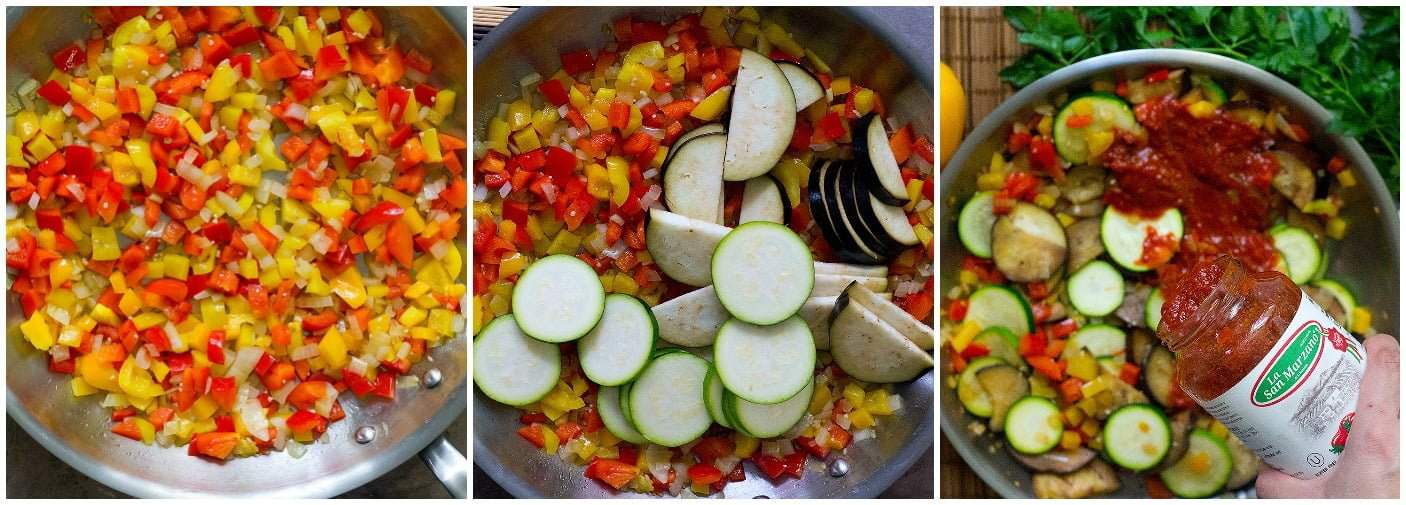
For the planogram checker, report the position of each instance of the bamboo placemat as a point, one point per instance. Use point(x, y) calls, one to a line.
point(977, 43)
point(485, 18)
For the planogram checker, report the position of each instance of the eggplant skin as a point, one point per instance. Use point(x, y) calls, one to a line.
point(1095, 478)
point(1056, 461)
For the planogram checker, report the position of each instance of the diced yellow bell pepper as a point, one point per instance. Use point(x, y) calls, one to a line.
point(745, 446)
point(60, 272)
point(333, 348)
point(148, 319)
point(965, 333)
point(360, 22)
point(105, 244)
point(349, 287)
point(525, 140)
point(81, 387)
point(14, 151)
point(512, 265)
point(860, 419)
point(130, 62)
point(221, 84)
point(140, 152)
point(41, 147)
point(1360, 320)
point(618, 171)
point(597, 181)
point(854, 394)
point(412, 317)
point(37, 331)
point(877, 402)
point(712, 106)
point(135, 382)
point(26, 124)
point(778, 37)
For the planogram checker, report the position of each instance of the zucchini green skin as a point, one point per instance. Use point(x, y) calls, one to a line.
point(974, 224)
point(1152, 311)
point(1187, 483)
point(1123, 234)
point(1300, 251)
point(1087, 285)
point(1122, 440)
point(1002, 344)
point(1028, 430)
point(1342, 294)
point(1071, 143)
point(1212, 91)
point(970, 392)
point(985, 301)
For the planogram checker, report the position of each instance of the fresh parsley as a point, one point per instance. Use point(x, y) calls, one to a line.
point(1357, 78)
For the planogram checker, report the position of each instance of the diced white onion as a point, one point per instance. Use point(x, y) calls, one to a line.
point(244, 363)
point(296, 111)
point(304, 352)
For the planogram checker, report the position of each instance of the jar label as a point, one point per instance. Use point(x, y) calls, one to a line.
point(1296, 406)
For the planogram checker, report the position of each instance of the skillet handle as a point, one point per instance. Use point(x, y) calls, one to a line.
point(448, 465)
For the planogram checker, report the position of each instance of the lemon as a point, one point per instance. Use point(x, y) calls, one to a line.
point(953, 111)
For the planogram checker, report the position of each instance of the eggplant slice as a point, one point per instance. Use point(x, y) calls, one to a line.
point(763, 118)
point(692, 319)
point(829, 222)
point(868, 349)
point(693, 178)
point(763, 200)
point(872, 147)
point(682, 246)
point(804, 86)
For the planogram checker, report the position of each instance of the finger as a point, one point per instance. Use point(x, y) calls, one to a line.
point(1273, 483)
point(1379, 402)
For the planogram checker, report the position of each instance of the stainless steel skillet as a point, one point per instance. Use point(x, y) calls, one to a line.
point(77, 429)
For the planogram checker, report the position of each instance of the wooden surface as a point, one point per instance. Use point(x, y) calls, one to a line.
point(916, 483)
point(976, 43)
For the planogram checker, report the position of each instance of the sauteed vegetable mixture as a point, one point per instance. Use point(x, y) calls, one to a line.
point(726, 120)
point(222, 219)
point(1082, 225)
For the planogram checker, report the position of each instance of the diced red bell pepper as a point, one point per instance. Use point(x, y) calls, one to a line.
point(54, 93)
point(533, 433)
point(808, 445)
point(222, 390)
point(576, 62)
point(1043, 157)
point(554, 92)
point(123, 413)
point(162, 125)
point(795, 464)
point(306, 422)
point(192, 386)
point(357, 383)
point(215, 444)
point(329, 63)
point(240, 34)
point(265, 362)
point(613, 472)
point(214, 48)
point(268, 16)
point(1071, 390)
point(170, 289)
point(70, 57)
point(771, 466)
point(832, 126)
point(704, 473)
point(1046, 366)
point(160, 415)
point(306, 394)
point(280, 65)
point(128, 428)
point(215, 347)
point(390, 69)
point(244, 63)
point(400, 242)
point(560, 165)
point(378, 214)
point(385, 386)
point(425, 94)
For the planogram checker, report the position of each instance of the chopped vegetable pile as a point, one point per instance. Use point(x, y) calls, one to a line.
point(576, 164)
point(1083, 224)
point(221, 219)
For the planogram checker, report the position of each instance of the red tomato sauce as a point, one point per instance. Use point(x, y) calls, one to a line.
point(1216, 170)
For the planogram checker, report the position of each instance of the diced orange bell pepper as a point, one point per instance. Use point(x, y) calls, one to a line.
point(280, 65)
point(218, 445)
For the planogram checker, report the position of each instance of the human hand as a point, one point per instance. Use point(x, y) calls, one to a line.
point(1370, 466)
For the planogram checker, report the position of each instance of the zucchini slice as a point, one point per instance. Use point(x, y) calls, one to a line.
point(1211, 91)
point(1124, 235)
point(1342, 295)
point(666, 401)
point(1203, 470)
point(1001, 343)
point(1101, 340)
point(608, 404)
point(1001, 305)
point(1106, 112)
point(1300, 251)
point(762, 272)
point(1137, 436)
point(769, 420)
point(1034, 425)
point(974, 224)
point(764, 364)
point(558, 298)
point(1096, 289)
point(1158, 374)
point(512, 368)
point(619, 346)
point(970, 391)
point(1152, 311)
point(713, 387)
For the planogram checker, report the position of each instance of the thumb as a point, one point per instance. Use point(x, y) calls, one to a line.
point(1273, 483)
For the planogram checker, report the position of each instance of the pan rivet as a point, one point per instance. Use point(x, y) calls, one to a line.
point(365, 434)
point(433, 378)
point(761, 497)
point(838, 468)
